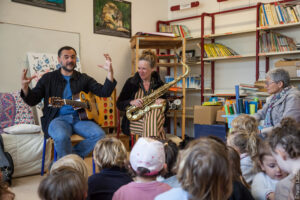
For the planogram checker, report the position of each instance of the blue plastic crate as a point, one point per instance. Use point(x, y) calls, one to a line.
point(230, 118)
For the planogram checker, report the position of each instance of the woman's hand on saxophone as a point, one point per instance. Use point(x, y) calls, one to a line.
point(159, 101)
point(137, 103)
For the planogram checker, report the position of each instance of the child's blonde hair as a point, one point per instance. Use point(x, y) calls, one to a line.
point(244, 142)
point(199, 171)
point(110, 152)
point(74, 161)
point(246, 123)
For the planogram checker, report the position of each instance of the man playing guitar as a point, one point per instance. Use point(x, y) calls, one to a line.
point(61, 123)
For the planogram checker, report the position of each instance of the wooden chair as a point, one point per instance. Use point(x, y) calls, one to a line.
point(74, 140)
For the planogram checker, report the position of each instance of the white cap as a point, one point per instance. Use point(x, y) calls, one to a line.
point(148, 153)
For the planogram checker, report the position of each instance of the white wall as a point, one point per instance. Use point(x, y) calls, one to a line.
point(79, 18)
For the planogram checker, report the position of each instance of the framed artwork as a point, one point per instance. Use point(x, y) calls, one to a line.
point(112, 17)
point(50, 4)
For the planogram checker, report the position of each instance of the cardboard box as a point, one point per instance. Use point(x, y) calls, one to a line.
point(292, 67)
point(205, 114)
point(219, 117)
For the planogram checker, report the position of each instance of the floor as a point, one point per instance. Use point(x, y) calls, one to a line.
point(25, 188)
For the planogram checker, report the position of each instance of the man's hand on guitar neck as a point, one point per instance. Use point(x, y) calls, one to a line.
point(108, 67)
point(25, 81)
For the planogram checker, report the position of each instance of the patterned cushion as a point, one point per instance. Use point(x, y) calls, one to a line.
point(14, 111)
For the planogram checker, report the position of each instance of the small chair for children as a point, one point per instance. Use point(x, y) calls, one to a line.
point(74, 139)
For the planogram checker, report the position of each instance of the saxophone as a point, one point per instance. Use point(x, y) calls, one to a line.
point(134, 113)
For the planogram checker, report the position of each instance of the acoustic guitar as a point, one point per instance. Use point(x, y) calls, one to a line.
point(90, 107)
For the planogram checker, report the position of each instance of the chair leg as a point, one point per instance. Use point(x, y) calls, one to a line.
point(55, 155)
point(94, 167)
point(132, 140)
point(43, 157)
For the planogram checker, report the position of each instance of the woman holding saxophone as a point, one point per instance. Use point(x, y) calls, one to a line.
point(142, 84)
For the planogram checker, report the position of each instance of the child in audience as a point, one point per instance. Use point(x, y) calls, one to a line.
point(285, 144)
point(171, 152)
point(74, 161)
point(246, 123)
point(264, 182)
point(64, 183)
point(110, 156)
point(240, 186)
point(203, 171)
point(5, 193)
point(147, 160)
point(245, 144)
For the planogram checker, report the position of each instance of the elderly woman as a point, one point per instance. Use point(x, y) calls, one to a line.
point(283, 102)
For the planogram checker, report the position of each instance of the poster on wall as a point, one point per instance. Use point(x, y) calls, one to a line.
point(50, 4)
point(112, 17)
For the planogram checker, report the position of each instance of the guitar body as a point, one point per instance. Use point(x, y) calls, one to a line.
point(92, 112)
point(102, 110)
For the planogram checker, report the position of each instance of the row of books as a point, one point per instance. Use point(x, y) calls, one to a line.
point(218, 50)
point(178, 30)
point(275, 42)
point(274, 14)
point(191, 82)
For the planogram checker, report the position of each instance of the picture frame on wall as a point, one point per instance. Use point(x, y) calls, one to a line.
point(112, 17)
point(59, 5)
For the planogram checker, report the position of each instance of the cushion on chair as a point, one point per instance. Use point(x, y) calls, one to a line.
point(13, 110)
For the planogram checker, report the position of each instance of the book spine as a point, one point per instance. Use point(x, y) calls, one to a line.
point(266, 17)
point(280, 12)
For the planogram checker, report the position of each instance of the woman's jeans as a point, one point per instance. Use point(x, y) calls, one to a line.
point(61, 129)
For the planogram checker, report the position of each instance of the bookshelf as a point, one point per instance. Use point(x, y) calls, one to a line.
point(202, 38)
point(170, 44)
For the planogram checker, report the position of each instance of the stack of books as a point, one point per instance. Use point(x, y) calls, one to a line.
point(217, 50)
point(275, 14)
point(177, 30)
point(275, 42)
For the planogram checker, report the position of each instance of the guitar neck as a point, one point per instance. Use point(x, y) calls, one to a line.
point(75, 103)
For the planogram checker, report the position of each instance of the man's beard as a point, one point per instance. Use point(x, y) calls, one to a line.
point(68, 70)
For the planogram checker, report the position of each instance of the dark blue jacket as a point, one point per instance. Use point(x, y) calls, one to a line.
point(103, 185)
point(52, 84)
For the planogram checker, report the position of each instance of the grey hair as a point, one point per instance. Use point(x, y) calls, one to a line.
point(278, 75)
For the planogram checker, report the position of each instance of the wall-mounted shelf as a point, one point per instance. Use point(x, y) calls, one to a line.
point(162, 43)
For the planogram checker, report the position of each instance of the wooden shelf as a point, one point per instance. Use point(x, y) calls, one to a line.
point(190, 90)
point(168, 64)
point(295, 79)
point(166, 57)
point(210, 36)
point(179, 116)
point(279, 53)
point(155, 42)
point(229, 57)
point(166, 43)
point(279, 26)
point(197, 63)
